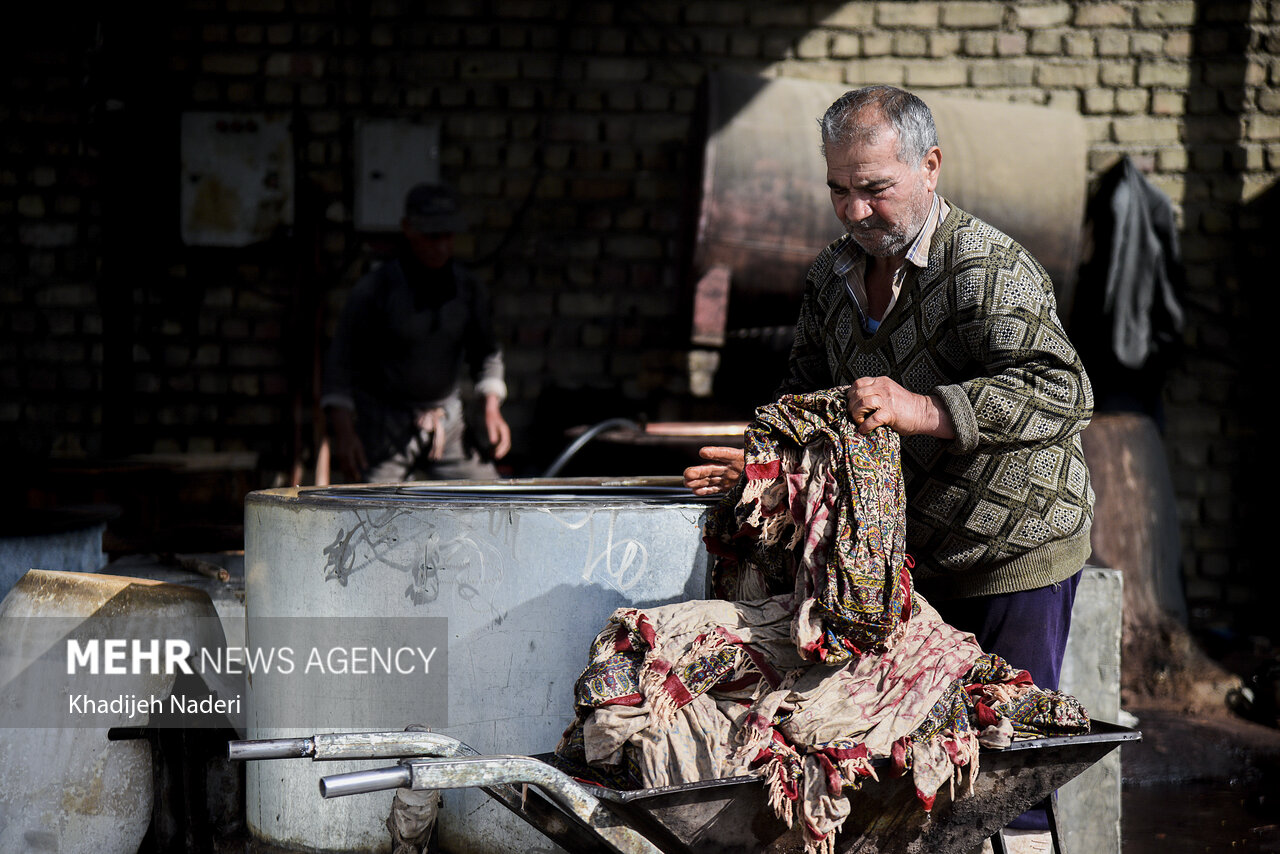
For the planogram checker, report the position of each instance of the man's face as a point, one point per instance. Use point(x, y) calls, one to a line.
point(432, 250)
point(882, 201)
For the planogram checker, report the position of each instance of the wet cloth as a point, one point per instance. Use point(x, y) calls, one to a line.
point(1029, 627)
point(812, 687)
point(821, 510)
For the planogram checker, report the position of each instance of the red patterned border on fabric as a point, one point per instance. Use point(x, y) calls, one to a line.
point(858, 751)
point(835, 783)
point(676, 690)
point(899, 756)
point(905, 575)
point(735, 685)
point(646, 631)
point(926, 801)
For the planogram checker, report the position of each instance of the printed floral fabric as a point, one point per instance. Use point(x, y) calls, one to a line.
point(822, 508)
point(834, 668)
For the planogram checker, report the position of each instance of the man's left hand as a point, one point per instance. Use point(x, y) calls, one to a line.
point(724, 470)
point(879, 401)
point(496, 426)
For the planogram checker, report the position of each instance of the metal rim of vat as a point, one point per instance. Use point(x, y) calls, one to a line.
point(647, 490)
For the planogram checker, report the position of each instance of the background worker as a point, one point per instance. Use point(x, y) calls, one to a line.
point(391, 391)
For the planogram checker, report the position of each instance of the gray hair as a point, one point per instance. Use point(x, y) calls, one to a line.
point(859, 114)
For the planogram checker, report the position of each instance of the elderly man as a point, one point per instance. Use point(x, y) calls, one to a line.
point(391, 384)
point(945, 330)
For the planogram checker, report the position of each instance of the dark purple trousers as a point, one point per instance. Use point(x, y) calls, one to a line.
point(1028, 629)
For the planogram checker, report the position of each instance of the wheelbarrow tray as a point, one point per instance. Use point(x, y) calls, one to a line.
point(732, 815)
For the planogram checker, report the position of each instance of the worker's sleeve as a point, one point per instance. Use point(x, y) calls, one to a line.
point(1032, 390)
point(491, 380)
point(484, 354)
point(807, 367)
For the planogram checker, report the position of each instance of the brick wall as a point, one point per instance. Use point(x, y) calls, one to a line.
point(568, 127)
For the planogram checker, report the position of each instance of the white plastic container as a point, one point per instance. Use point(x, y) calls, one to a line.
point(67, 788)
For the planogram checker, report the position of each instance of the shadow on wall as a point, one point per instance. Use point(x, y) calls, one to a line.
point(1256, 472)
point(1218, 206)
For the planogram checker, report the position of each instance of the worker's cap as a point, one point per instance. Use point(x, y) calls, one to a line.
point(433, 209)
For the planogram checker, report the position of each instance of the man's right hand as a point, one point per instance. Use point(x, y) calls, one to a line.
point(347, 452)
point(724, 471)
point(878, 401)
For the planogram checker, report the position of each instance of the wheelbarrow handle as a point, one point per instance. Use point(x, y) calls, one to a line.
point(270, 748)
point(494, 775)
point(331, 746)
point(472, 772)
point(363, 782)
point(388, 745)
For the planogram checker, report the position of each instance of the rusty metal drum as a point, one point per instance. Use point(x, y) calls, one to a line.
point(765, 211)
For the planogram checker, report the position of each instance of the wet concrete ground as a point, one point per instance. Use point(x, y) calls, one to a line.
point(1200, 784)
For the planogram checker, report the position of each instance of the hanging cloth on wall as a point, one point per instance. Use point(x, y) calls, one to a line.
point(1127, 320)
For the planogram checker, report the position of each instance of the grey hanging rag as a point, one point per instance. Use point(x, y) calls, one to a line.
point(1127, 320)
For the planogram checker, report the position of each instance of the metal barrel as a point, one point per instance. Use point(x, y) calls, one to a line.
point(360, 782)
point(270, 748)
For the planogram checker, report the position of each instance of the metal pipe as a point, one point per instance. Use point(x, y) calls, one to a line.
point(270, 748)
point(388, 745)
point(362, 782)
point(325, 747)
point(591, 433)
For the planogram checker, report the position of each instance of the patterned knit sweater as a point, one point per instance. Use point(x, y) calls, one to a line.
point(1007, 504)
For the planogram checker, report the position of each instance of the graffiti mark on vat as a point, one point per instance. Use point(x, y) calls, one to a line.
point(424, 585)
point(470, 563)
point(620, 563)
point(429, 557)
point(370, 540)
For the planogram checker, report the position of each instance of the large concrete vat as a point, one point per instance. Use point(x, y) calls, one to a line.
point(524, 573)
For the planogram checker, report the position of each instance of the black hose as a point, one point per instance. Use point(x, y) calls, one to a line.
point(591, 433)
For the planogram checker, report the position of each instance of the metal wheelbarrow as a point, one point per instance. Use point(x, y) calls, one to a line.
point(729, 816)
